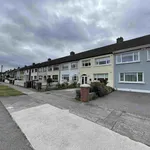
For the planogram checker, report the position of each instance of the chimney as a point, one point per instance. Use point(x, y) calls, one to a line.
point(49, 59)
point(33, 64)
point(72, 53)
point(120, 40)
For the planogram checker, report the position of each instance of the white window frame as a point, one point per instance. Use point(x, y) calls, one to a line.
point(83, 61)
point(55, 66)
point(50, 68)
point(44, 69)
point(102, 59)
point(142, 82)
point(63, 75)
point(148, 55)
point(106, 75)
point(74, 64)
point(55, 80)
point(128, 53)
point(65, 67)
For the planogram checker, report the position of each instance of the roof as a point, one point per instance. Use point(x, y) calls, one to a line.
point(96, 52)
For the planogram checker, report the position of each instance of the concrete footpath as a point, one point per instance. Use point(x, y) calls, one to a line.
point(11, 137)
point(48, 127)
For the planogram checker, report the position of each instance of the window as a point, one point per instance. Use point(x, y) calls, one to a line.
point(128, 57)
point(35, 77)
point(65, 77)
point(148, 55)
point(55, 78)
point(40, 77)
point(35, 70)
point(74, 65)
point(101, 76)
point(65, 67)
point(44, 69)
point(27, 71)
point(102, 61)
point(50, 68)
point(75, 78)
point(56, 67)
point(32, 70)
point(40, 69)
point(132, 77)
point(86, 63)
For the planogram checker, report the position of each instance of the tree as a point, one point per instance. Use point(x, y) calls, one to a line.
point(49, 81)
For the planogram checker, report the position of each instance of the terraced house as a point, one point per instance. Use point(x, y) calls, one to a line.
point(125, 65)
point(132, 65)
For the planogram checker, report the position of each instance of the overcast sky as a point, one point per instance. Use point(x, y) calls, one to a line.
point(35, 30)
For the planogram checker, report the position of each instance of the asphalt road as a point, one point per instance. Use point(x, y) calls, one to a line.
point(11, 137)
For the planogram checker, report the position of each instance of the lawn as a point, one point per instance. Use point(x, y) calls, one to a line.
point(7, 91)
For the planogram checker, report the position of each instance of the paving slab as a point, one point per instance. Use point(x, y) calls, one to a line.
point(11, 137)
point(135, 127)
point(16, 103)
point(48, 127)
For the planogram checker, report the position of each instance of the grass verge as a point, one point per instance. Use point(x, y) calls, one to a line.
point(7, 91)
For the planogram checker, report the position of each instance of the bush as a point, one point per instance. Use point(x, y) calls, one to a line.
point(73, 85)
point(100, 89)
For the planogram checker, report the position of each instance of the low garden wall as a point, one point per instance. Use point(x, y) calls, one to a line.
point(19, 82)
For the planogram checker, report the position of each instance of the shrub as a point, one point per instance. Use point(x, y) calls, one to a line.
point(104, 81)
point(73, 85)
point(49, 81)
point(100, 89)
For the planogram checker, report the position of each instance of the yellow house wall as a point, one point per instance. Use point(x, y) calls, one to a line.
point(93, 69)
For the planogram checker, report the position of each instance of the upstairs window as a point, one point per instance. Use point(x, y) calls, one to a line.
point(56, 67)
point(102, 61)
point(35, 70)
point(40, 69)
point(50, 68)
point(74, 65)
point(44, 69)
point(65, 67)
point(32, 70)
point(86, 63)
point(128, 57)
point(148, 55)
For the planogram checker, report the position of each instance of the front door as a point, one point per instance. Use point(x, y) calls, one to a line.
point(84, 79)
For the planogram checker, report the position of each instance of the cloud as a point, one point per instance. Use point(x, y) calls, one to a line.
point(34, 30)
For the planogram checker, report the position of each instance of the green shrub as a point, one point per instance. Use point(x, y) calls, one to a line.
point(73, 85)
point(100, 89)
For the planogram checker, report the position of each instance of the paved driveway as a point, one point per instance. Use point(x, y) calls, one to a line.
point(136, 103)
